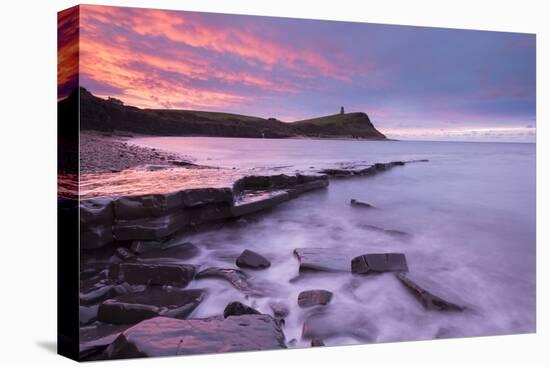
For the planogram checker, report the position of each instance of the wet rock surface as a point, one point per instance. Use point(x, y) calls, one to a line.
point(162, 336)
point(175, 253)
point(429, 300)
point(135, 307)
point(314, 297)
point(236, 277)
point(156, 274)
point(379, 263)
point(252, 260)
point(322, 259)
point(238, 309)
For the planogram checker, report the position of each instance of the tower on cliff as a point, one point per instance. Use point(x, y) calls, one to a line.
point(342, 110)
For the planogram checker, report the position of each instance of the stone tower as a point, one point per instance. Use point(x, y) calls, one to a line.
point(342, 110)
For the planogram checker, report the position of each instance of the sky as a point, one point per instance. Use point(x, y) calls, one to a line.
point(415, 83)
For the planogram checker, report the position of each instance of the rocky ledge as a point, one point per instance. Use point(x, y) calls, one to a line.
point(155, 203)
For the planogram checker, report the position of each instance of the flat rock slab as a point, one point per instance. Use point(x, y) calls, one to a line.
point(445, 301)
point(252, 260)
point(156, 274)
point(323, 259)
point(162, 336)
point(185, 251)
point(379, 263)
point(314, 297)
point(237, 309)
point(135, 307)
point(255, 203)
point(236, 277)
point(103, 292)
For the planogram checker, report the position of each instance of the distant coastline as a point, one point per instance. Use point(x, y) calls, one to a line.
point(110, 115)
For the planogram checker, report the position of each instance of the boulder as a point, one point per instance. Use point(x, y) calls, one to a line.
point(237, 309)
point(135, 307)
point(253, 260)
point(162, 336)
point(314, 297)
point(379, 263)
point(323, 259)
point(428, 299)
point(156, 274)
point(360, 204)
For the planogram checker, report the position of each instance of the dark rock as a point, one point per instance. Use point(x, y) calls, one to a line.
point(378, 263)
point(124, 254)
point(360, 204)
point(317, 342)
point(103, 292)
point(253, 260)
point(429, 300)
point(176, 253)
point(336, 173)
point(146, 206)
point(199, 197)
point(314, 297)
point(162, 336)
point(237, 309)
point(94, 236)
point(96, 211)
point(234, 276)
point(150, 227)
point(156, 274)
point(322, 259)
point(95, 338)
point(135, 307)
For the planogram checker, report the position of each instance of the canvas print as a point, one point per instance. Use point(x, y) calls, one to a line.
point(241, 183)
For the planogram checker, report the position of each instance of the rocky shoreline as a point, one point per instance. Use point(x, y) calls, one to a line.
point(109, 152)
point(136, 283)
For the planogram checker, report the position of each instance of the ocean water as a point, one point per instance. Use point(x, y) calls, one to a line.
point(468, 215)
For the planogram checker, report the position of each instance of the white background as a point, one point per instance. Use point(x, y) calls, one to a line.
point(28, 179)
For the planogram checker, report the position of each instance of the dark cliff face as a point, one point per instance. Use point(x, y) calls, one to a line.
point(109, 115)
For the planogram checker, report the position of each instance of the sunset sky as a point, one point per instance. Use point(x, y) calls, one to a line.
point(413, 82)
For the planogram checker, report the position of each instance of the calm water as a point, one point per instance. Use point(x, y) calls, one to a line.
point(469, 213)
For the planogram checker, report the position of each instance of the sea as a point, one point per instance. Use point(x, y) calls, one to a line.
point(465, 219)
